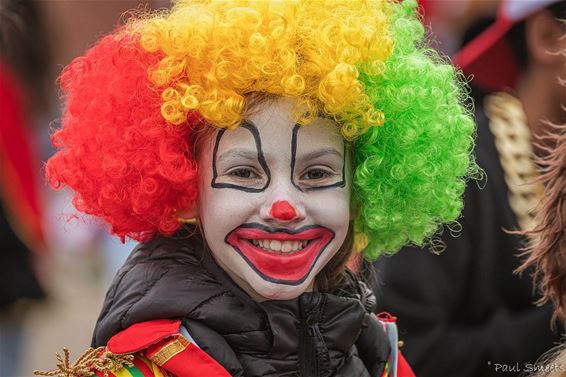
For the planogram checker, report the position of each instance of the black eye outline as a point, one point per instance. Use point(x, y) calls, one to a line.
point(248, 125)
point(341, 183)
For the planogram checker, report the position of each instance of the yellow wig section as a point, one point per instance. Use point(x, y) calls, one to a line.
point(216, 52)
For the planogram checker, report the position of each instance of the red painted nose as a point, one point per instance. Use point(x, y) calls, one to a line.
point(282, 210)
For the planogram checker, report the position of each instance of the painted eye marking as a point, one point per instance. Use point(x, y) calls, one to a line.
point(316, 178)
point(243, 178)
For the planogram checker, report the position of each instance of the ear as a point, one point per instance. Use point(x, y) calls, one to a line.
point(188, 213)
point(544, 38)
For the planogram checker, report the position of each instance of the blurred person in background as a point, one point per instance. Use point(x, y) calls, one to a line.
point(547, 254)
point(36, 39)
point(23, 66)
point(464, 312)
point(83, 259)
point(450, 20)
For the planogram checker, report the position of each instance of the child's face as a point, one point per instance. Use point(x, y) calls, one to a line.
point(274, 200)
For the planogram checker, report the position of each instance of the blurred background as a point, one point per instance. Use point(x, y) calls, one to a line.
point(60, 263)
point(56, 264)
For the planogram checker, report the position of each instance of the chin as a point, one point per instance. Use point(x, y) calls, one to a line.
point(274, 291)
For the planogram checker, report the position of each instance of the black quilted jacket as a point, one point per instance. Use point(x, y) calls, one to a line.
point(316, 334)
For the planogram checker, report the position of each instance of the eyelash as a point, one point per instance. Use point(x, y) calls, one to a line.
point(234, 173)
point(241, 172)
point(326, 174)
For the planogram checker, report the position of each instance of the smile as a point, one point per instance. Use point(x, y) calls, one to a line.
point(278, 247)
point(281, 256)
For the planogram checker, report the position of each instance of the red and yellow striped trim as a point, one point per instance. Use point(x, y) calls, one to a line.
point(142, 368)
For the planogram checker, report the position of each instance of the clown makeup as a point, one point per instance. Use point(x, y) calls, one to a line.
point(274, 199)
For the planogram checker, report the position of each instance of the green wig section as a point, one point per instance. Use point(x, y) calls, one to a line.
point(411, 172)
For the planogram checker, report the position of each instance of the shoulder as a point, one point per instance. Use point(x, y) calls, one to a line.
point(166, 345)
point(156, 348)
point(156, 274)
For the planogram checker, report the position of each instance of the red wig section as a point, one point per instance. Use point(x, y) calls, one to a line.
point(123, 161)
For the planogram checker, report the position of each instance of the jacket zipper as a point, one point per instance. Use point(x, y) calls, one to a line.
point(313, 356)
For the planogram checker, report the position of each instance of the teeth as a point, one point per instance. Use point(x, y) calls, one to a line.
point(287, 246)
point(280, 247)
point(275, 245)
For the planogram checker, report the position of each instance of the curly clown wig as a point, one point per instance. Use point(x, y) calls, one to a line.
point(134, 100)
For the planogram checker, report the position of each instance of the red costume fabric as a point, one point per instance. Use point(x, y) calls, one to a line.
point(161, 342)
point(17, 177)
point(161, 350)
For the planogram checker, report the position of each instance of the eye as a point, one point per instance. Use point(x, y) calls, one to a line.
point(316, 174)
point(243, 173)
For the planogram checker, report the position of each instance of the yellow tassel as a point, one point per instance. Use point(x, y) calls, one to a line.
point(92, 360)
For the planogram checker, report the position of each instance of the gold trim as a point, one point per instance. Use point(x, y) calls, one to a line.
point(184, 220)
point(508, 124)
point(91, 361)
point(170, 350)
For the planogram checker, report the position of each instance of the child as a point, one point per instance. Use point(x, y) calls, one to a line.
point(251, 148)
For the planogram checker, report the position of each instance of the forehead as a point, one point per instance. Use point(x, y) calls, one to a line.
point(275, 123)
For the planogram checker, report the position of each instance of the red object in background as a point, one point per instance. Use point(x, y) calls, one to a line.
point(425, 8)
point(18, 187)
point(489, 57)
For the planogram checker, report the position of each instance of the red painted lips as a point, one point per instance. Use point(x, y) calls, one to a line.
point(289, 268)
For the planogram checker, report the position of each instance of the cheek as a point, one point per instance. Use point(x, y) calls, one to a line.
point(222, 210)
point(219, 209)
point(331, 208)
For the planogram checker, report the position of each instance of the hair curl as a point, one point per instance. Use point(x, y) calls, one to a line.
point(134, 99)
point(547, 254)
point(313, 50)
point(123, 161)
point(411, 172)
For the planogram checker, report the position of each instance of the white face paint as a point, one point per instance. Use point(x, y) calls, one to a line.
point(274, 200)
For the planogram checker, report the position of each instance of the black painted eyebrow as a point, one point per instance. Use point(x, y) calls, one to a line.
point(319, 153)
point(342, 182)
point(246, 123)
point(260, 158)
